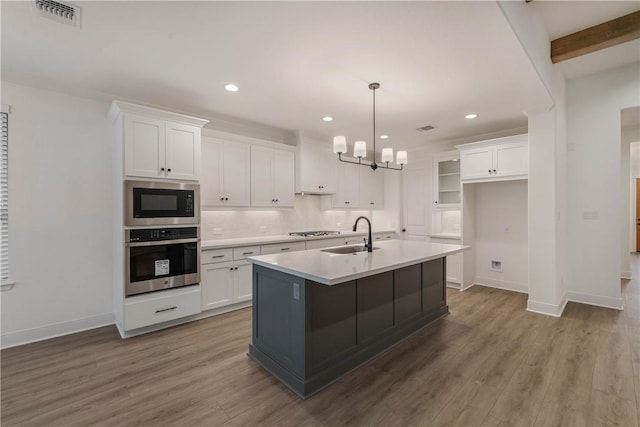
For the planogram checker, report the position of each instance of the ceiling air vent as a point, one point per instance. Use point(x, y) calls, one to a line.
point(65, 13)
point(425, 128)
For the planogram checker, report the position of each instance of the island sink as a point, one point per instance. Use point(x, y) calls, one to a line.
point(347, 249)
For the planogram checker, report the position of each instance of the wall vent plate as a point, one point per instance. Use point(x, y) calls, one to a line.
point(496, 266)
point(64, 13)
point(425, 128)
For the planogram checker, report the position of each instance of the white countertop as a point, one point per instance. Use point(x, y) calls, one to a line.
point(331, 269)
point(262, 240)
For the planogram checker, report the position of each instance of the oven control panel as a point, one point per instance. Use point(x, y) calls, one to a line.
point(157, 234)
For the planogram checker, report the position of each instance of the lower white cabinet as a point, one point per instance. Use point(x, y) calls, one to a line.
point(280, 248)
point(324, 243)
point(225, 281)
point(454, 262)
point(161, 306)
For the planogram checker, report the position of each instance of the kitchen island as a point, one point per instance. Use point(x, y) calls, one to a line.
point(318, 315)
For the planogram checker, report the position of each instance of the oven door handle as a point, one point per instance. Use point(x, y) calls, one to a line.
point(161, 242)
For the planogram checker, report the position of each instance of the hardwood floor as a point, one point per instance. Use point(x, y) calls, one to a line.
point(489, 363)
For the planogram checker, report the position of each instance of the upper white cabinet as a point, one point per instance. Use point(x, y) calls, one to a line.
point(348, 194)
point(496, 159)
point(371, 188)
point(446, 180)
point(226, 173)
point(272, 177)
point(158, 144)
point(315, 167)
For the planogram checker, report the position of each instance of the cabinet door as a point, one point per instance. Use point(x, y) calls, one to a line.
point(511, 159)
point(211, 176)
point(216, 282)
point(243, 282)
point(144, 146)
point(316, 168)
point(236, 170)
point(262, 172)
point(283, 177)
point(182, 151)
point(476, 163)
point(414, 195)
point(446, 181)
point(371, 188)
point(348, 186)
point(453, 268)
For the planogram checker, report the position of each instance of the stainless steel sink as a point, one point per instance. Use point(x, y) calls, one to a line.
point(347, 249)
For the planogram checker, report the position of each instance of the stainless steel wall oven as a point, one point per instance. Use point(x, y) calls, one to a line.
point(161, 258)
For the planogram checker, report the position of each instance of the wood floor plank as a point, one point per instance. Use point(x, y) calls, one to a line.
point(610, 410)
point(613, 366)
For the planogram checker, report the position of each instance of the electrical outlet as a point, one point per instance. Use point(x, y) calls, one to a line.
point(496, 266)
point(296, 291)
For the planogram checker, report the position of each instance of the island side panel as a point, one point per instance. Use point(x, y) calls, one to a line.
point(278, 318)
point(408, 293)
point(375, 305)
point(331, 323)
point(434, 280)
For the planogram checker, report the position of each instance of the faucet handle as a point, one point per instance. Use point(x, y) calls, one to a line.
point(365, 241)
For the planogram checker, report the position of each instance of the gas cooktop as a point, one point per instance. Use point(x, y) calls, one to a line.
point(314, 233)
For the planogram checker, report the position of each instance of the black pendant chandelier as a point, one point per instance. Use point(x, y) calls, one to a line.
point(360, 147)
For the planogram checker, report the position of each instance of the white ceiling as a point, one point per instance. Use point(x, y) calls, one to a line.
point(295, 62)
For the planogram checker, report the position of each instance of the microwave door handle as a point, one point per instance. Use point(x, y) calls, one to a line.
point(160, 242)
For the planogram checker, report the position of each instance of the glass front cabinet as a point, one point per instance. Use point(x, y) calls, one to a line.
point(446, 180)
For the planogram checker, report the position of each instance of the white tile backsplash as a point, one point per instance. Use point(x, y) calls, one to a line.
point(305, 215)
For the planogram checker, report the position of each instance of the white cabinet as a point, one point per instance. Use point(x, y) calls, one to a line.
point(280, 248)
point(496, 159)
point(324, 243)
point(315, 167)
point(225, 173)
point(272, 177)
point(446, 180)
point(371, 188)
point(454, 262)
point(162, 306)
point(158, 144)
point(348, 194)
point(225, 283)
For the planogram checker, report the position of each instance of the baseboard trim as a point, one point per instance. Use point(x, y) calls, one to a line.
point(502, 284)
point(554, 310)
point(26, 336)
point(598, 300)
point(626, 275)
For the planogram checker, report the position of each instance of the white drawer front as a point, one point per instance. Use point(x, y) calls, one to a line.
point(216, 255)
point(324, 243)
point(383, 236)
point(161, 306)
point(280, 248)
point(245, 251)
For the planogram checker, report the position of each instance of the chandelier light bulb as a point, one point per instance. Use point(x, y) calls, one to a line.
point(360, 149)
point(339, 144)
point(387, 155)
point(401, 158)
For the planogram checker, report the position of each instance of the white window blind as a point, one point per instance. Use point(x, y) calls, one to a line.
point(4, 197)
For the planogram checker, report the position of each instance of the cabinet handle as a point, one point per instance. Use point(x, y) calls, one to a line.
point(166, 309)
point(230, 268)
point(222, 199)
point(217, 256)
point(436, 201)
point(276, 200)
point(284, 249)
point(161, 169)
point(489, 170)
point(236, 268)
point(372, 203)
point(226, 199)
point(247, 253)
point(494, 171)
point(169, 170)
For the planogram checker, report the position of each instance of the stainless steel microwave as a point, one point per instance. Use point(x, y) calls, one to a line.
point(161, 203)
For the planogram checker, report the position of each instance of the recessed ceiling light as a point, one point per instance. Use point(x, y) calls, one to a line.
point(471, 116)
point(384, 136)
point(327, 118)
point(231, 87)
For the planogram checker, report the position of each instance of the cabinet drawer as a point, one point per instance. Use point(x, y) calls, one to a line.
point(280, 248)
point(324, 243)
point(354, 239)
point(383, 236)
point(161, 306)
point(216, 255)
point(245, 251)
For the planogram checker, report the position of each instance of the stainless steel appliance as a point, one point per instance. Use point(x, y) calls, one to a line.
point(314, 233)
point(161, 258)
point(161, 203)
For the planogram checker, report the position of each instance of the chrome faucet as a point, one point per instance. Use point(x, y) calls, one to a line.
point(368, 243)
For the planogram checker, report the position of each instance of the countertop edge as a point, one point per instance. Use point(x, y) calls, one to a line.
point(267, 240)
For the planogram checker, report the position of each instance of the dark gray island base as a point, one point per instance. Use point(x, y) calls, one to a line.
point(309, 334)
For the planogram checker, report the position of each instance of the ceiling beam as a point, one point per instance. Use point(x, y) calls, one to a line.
point(607, 34)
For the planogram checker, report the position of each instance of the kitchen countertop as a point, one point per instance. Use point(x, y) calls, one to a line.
point(331, 269)
point(263, 240)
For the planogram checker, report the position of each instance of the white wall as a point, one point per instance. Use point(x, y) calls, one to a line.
point(501, 234)
point(60, 233)
point(594, 246)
